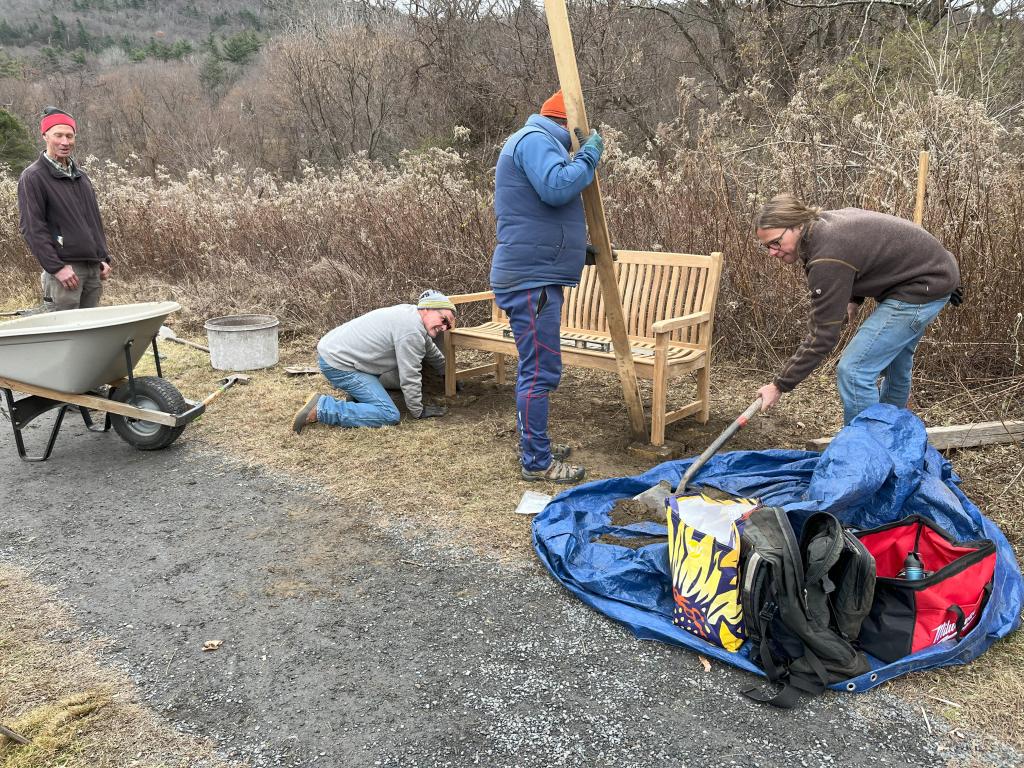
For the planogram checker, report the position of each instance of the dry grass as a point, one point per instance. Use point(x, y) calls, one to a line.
point(77, 711)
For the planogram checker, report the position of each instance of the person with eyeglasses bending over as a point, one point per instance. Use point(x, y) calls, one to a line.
point(383, 349)
point(848, 255)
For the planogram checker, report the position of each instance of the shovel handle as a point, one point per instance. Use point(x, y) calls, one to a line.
point(187, 343)
point(722, 439)
point(217, 393)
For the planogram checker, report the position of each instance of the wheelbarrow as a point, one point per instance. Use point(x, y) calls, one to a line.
point(85, 358)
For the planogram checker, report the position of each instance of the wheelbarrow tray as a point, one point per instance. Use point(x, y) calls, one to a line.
point(78, 350)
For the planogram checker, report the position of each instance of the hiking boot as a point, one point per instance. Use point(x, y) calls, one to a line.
point(306, 414)
point(557, 472)
point(559, 451)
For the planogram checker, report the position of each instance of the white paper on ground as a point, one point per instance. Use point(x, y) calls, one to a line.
point(532, 503)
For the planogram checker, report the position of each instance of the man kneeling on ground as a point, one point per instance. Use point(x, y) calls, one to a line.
point(389, 343)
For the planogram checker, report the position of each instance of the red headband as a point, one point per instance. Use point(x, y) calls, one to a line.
point(57, 118)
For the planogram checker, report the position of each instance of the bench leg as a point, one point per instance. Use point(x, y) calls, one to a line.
point(499, 367)
point(704, 393)
point(659, 400)
point(450, 367)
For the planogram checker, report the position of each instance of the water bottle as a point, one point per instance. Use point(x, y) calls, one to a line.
point(913, 568)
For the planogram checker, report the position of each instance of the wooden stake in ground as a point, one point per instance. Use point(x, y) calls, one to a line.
point(922, 181)
point(569, 78)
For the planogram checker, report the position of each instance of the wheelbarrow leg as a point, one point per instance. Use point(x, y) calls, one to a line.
point(87, 418)
point(30, 407)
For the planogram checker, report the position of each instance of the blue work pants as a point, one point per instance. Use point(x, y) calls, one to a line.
point(535, 316)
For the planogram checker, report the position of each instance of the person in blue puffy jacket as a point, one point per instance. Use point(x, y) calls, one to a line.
point(542, 247)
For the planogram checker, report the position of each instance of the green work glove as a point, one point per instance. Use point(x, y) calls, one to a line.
point(593, 140)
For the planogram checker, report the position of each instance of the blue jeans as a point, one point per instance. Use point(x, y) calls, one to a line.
point(371, 406)
point(883, 346)
point(535, 316)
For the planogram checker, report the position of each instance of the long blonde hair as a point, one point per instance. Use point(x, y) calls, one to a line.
point(785, 211)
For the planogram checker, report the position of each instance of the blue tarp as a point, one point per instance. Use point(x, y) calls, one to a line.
point(877, 470)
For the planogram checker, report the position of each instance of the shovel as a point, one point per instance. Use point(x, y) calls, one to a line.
point(655, 497)
point(225, 384)
point(167, 333)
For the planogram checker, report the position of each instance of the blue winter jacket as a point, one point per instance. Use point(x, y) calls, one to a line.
point(542, 231)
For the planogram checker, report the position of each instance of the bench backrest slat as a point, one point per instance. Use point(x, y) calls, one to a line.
point(653, 286)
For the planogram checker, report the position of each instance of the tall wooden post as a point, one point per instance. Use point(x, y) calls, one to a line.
point(922, 181)
point(572, 91)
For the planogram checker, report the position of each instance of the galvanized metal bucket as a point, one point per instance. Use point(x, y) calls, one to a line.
point(242, 342)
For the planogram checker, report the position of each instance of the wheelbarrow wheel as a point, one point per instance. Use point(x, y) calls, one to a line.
point(153, 394)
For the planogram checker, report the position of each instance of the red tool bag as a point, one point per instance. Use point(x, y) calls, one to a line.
point(942, 602)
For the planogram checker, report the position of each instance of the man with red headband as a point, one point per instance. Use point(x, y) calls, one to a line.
point(60, 220)
point(542, 247)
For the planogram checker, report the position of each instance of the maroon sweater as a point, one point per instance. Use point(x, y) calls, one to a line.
point(851, 254)
point(59, 217)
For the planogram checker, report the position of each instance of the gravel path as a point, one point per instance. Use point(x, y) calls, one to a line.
point(345, 646)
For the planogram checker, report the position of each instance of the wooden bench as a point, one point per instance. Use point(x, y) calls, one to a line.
point(668, 300)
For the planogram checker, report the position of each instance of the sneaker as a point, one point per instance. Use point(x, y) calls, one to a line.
point(306, 414)
point(559, 451)
point(557, 472)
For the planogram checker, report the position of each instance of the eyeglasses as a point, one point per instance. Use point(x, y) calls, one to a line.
point(773, 245)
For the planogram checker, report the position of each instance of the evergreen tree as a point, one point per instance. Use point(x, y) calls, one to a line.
point(60, 32)
point(16, 148)
point(83, 38)
point(240, 48)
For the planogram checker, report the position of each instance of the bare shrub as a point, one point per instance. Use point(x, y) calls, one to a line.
point(315, 250)
point(340, 90)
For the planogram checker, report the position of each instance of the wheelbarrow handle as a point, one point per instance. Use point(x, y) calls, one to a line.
point(722, 439)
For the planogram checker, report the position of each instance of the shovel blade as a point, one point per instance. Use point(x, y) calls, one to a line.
point(655, 497)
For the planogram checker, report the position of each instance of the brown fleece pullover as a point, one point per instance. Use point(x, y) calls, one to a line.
point(59, 217)
point(851, 254)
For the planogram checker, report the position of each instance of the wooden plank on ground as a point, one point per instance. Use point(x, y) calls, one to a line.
point(572, 92)
point(959, 435)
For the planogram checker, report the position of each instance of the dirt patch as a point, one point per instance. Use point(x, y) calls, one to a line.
point(630, 542)
point(630, 512)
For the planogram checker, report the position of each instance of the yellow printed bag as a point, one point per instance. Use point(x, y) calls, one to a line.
point(704, 556)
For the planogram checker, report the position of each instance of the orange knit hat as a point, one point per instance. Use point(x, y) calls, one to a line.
point(554, 106)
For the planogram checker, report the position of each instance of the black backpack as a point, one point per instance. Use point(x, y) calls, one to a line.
point(803, 603)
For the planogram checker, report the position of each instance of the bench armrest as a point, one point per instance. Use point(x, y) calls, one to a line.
point(674, 323)
point(466, 298)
